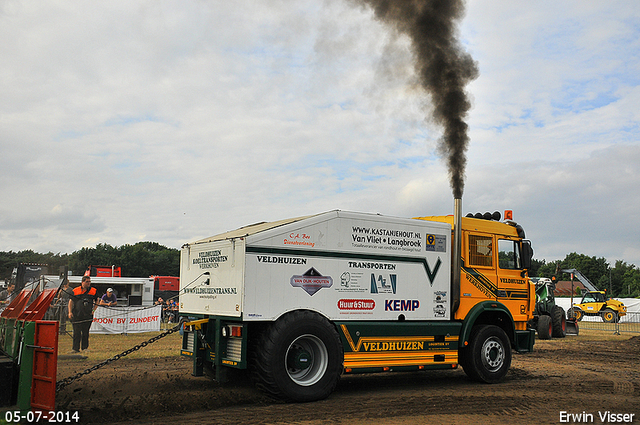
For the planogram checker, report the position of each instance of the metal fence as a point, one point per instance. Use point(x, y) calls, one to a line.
point(630, 323)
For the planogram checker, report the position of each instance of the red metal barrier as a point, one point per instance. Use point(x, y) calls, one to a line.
point(36, 309)
point(39, 306)
point(17, 305)
point(33, 344)
point(45, 366)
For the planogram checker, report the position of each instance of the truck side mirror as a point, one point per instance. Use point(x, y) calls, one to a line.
point(527, 254)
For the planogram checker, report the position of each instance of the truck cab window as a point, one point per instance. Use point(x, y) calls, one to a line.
point(594, 297)
point(508, 255)
point(480, 250)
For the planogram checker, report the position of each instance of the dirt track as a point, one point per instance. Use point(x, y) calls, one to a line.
point(574, 375)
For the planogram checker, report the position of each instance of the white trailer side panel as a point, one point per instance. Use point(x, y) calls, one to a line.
point(211, 277)
point(350, 266)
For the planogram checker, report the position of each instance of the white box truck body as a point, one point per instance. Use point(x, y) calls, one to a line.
point(345, 266)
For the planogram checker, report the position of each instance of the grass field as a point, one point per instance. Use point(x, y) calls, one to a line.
point(102, 347)
point(602, 335)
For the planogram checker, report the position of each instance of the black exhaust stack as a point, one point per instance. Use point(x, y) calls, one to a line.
point(456, 255)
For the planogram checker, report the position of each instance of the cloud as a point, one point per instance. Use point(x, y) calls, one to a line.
point(173, 121)
point(586, 206)
point(46, 230)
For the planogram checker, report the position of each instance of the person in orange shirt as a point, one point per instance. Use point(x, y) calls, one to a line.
point(81, 307)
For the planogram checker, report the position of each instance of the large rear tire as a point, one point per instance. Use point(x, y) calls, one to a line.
point(545, 327)
point(488, 356)
point(298, 358)
point(559, 322)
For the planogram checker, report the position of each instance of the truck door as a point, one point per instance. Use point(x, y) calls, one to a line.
point(480, 281)
point(513, 288)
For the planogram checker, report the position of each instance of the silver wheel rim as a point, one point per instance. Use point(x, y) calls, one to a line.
point(318, 360)
point(492, 354)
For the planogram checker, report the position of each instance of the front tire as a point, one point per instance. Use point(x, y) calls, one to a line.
point(545, 327)
point(488, 356)
point(609, 316)
point(576, 313)
point(298, 358)
point(559, 322)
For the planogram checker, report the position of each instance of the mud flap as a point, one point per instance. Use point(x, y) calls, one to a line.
point(572, 327)
point(524, 340)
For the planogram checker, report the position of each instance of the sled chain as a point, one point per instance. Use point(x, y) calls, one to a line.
point(66, 381)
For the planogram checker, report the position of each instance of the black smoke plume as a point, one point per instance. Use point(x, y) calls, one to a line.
point(443, 68)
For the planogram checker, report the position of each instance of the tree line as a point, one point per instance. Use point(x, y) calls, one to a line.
point(140, 260)
point(150, 258)
point(621, 280)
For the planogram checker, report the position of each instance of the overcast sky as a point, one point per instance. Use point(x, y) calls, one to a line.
point(169, 121)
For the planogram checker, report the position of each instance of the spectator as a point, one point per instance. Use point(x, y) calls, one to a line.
point(174, 310)
point(81, 307)
point(167, 311)
point(7, 294)
point(160, 302)
point(109, 298)
point(64, 296)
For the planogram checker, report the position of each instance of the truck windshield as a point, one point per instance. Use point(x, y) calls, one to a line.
point(593, 297)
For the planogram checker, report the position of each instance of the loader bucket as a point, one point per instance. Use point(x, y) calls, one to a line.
point(572, 327)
